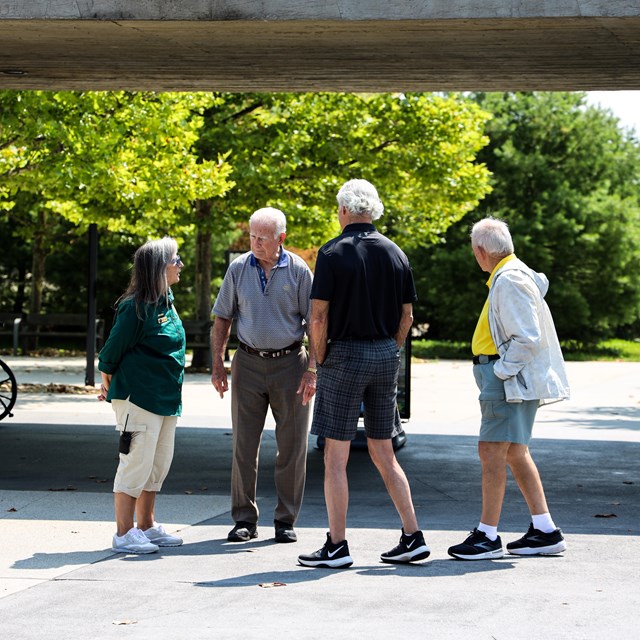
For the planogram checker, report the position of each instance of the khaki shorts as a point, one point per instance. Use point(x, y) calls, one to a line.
point(147, 464)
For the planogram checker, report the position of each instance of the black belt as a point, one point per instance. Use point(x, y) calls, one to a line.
point(270, 353)
point(484, 359)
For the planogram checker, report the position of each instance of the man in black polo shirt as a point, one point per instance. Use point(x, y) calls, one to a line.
point(362, 297)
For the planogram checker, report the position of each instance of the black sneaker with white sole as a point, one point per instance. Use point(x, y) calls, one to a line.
point(477, 547)
point(331, 556)
point(536, 542)
point(410, 549)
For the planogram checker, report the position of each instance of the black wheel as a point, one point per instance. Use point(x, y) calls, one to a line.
point(8, 390)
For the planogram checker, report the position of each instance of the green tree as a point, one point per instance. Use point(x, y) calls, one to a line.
point(293, 151)
point(147, 164)
point(566, 179)
point(121, 160)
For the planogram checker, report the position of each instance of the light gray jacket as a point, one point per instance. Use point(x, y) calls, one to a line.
point(531, 362)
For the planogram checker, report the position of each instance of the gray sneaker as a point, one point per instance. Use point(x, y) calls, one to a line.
point(160, 537)
point(134, 541)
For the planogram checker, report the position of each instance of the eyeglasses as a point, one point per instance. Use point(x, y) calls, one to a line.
point(177, 261)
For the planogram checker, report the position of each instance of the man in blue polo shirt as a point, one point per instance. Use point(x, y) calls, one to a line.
point(266, 291)
point(362, 298)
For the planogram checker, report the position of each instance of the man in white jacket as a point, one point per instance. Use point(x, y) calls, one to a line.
point(518, 366)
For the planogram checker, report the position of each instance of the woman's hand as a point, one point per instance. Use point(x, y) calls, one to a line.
point(104, 387)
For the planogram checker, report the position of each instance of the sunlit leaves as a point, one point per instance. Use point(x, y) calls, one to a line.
point(293, 151)
point(124, 160)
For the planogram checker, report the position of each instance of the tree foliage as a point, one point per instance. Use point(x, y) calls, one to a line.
point(293, 151)
point(123, 161)
point(197, 165)
point(566, 178)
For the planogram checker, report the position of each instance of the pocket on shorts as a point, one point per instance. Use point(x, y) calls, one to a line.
point(128, 421)
point(129, 417)
point(492, 409)
point(134, 427)
point(139, 428)
point(490, 386)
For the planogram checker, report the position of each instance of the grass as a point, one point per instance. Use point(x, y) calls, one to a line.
point(440, 350)
point(612, 350)
point(616, 350)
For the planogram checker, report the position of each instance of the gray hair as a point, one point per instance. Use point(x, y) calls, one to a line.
point(148, 284)
point(493, 236)
point(272, 217)
point(360, 198)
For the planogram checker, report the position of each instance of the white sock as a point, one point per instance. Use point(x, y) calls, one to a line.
point(489, 531)
point(543, 522)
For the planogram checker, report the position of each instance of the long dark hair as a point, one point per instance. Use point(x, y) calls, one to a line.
point(148, 284)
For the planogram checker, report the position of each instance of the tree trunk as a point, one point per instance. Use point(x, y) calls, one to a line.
point(21, 297)
point(38, 259)
point(202, 357)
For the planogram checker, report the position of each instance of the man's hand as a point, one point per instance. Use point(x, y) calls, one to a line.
point(219, 377)
point(307, 386)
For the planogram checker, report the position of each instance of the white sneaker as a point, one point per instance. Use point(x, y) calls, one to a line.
point(160, 537)
point(134, 541)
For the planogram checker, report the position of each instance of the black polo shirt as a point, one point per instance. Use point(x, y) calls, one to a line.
point(366, 278)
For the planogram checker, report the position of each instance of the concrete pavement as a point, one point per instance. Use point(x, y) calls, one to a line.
point(58, 578)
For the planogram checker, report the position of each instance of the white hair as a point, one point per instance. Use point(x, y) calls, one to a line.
point(493, 236)
point(360, 198)
point(272, 217)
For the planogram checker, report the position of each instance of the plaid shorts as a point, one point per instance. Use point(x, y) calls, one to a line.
point(358, 376)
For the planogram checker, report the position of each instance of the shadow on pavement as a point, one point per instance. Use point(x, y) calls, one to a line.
point(592, 487)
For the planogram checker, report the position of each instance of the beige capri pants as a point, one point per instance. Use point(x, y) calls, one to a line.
point(147, 464)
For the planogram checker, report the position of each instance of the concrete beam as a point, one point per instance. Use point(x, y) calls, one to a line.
point(219, 10)
point(348, 45)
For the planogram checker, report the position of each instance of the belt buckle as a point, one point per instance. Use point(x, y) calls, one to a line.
point(264, 354)
point(483, 359)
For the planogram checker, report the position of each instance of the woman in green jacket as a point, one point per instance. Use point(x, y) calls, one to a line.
point(142, 367)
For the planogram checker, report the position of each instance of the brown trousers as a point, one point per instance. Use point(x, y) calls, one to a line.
point(257, 384)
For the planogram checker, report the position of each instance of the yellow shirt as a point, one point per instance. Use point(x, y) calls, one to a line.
point(482, 342)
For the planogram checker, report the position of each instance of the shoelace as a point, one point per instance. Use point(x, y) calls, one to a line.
point(138, 536)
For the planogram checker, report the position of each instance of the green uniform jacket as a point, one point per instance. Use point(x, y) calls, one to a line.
point(146, 357)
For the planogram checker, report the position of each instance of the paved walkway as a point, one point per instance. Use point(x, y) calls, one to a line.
point(58, 578)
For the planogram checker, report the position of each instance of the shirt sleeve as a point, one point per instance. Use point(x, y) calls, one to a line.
point(323, 281)
point(304, 292)
point(516, 301)
point(409, 294)
point(226, 304)
point(124, 335)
